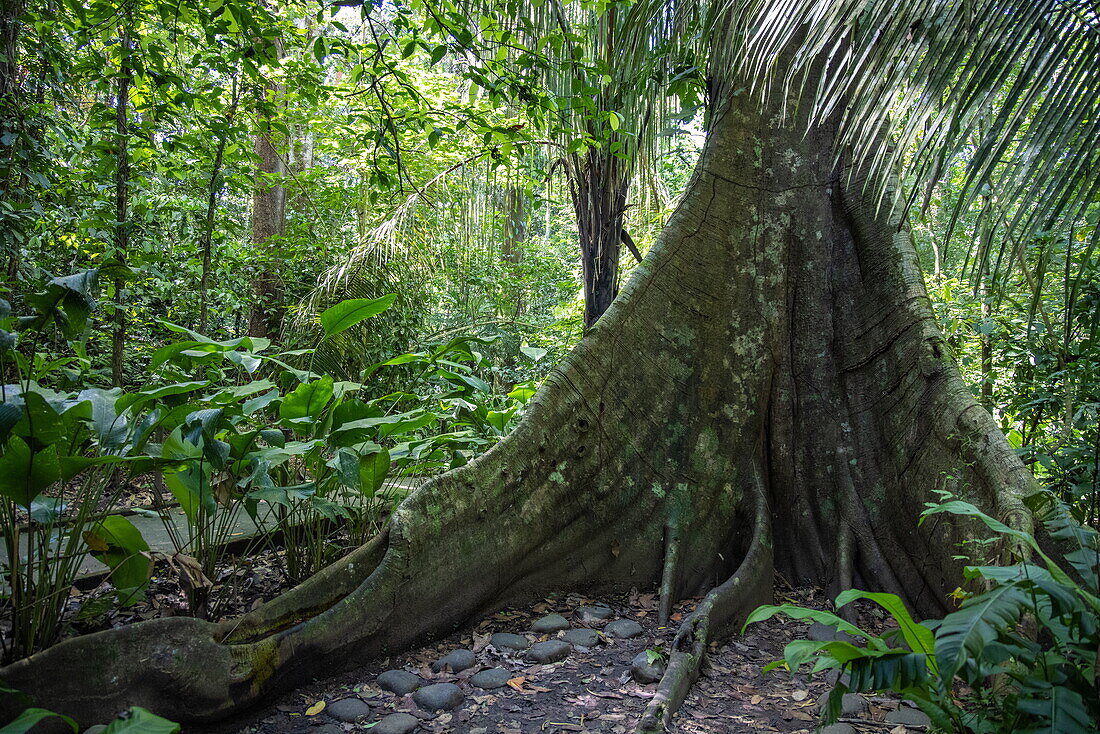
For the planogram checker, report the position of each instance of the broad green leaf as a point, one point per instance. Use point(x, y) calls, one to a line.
point(373, 468)
point(139, 721)
point(917, 636)
point(307, 400)
point(30, 718)
point(767, 611)
point(347, 314)
point(25, 474)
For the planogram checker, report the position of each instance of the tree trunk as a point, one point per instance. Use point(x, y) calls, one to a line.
point(598, 183)
point(769, 391)
point(122, 205)
point(13, 166)
point(268, 214)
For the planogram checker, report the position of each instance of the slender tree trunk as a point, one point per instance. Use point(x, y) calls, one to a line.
point(770, 385)
point(514, 237)
point(598, 186)
point(122, 203)
point(268, 216)
point(213, 193)
point(12, 171)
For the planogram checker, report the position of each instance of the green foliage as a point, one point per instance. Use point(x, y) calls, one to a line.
point(1035, 627)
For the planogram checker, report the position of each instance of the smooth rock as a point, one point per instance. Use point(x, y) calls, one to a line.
point(591, 615)
point(401, 682)
point(348, 710)
point(852, 704)
point(550, 623)
point(819, 632)
point(327, 729)
point(396, 724)
point(623, 629)
point(642, 671)
point(438, 696)
point(582, 637)
point(508, 641)
point(491, 678)
point(96, 729)
point(550, 651)
point(838, 729)
point(455, 661)
point(908, 717)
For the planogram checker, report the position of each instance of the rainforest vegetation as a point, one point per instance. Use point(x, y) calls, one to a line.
point(329, 328)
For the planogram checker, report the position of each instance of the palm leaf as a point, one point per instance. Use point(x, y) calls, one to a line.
point(1020, 76)
point(965, 633)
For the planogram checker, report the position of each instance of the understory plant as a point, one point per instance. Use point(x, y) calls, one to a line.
point(234, 429)
point(63, 456)
point(1019, 655)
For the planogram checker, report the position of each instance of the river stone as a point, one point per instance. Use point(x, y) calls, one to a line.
point(819, 632)
point(396, 724)
point(96, 729)
point(908, 717)
point(491, 678)
point(508, 641)
point(445, 696)
point(550, 651)
point(642, 671)
point(457, 661)
point(852, 704)
point(550, 623)
point(591, 615)
point(838, 729)
point(582, 637)
point(348, 710)
point(623, 629)
point(401, 682)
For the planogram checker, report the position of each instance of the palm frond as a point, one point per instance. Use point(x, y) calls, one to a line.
point(1019, 77)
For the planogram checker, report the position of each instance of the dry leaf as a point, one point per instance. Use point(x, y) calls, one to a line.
point(756, 699)
point(899, 729)
point(676, 617)
point(516, 683)
point(315, 708)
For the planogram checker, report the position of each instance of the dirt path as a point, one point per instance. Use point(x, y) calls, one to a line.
point(591, 690)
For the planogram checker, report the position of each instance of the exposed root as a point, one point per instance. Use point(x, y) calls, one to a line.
point(668, 575)
point(725, 606)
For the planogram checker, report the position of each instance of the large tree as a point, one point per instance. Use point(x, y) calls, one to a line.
point(769, 392)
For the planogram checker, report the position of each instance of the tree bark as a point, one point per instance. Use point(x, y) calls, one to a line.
point(122, 204)
point(268, 216)
point(598, 184)
point(12, 170)
point(770, 384)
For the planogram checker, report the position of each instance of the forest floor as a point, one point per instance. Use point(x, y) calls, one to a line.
point(591, 690)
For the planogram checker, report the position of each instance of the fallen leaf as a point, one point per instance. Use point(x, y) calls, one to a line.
point(516, 683)
point(315, 708)
point(756, 699)
point(615, 548)
point(676, 617)
point(899, 729)
point(800, 695)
